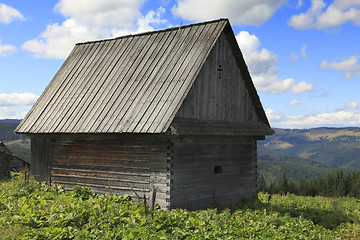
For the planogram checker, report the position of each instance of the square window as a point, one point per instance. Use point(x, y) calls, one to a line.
point(217, 170)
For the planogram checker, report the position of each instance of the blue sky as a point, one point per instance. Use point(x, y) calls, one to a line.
point(303, 55)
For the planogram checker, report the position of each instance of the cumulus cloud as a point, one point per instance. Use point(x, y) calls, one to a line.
point(350, 66)
point(110, 13)
point(16, 105)
point(336, 119)
point(273, 116)
point(6, 50)
point(92, 21)
point(318, 16)
point(58, 40)
point(262, 64)
point(350, 106)
point(17, 99)
point(13, 113)
point(9, 14)
point(294, 102)
point(250, 12)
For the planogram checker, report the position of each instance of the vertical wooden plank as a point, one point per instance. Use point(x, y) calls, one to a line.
point(40, 158)
point(58, 103)
point(82, 89)
point(37, 109)
point(185, 43)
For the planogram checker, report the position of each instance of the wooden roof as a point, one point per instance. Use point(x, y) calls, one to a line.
point(130, 84)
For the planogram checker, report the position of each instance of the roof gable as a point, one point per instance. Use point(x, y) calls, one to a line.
point(219, 102)
point(127, 84)
point(131, 84)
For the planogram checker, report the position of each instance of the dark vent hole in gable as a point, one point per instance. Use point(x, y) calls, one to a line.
point(217, 169)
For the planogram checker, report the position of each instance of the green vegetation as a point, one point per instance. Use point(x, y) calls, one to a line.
point(336, 184)
point(31, 210)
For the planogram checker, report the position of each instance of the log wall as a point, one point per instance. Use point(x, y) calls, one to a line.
point(122, 165)
point(212, 170)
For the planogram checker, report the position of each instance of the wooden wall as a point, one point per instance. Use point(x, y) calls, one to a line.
point(182, 168)
point(219, 92)
point(40, 158)
point(4, 164)
point(194, 161)
point(118, 165)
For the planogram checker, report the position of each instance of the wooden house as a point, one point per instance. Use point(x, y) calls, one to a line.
point(175, 109)
point(9, 162)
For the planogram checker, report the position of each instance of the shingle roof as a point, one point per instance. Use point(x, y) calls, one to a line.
point(130, 84)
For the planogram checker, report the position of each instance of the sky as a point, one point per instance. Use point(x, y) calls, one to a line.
point(303, 55)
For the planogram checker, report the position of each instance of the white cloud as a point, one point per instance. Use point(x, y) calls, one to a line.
point(262, 64)
point(318, 16)
point(92, 21)
point(294, 57)
point(58, 40)
point(12, 113)
point(336, 119)
point(273, 115)
point(294, 102)
point(250, 12)
point(6, 50)
point(9, 14)
point(109, 13)
point(17, 99)
point(299, 4)
point(350, 66)
point(351, 105)
point(16, 105)
point(303, 51)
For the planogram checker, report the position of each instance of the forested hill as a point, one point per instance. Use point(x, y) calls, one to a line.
point(7, 127)
point(305, 153)
point(16, 143)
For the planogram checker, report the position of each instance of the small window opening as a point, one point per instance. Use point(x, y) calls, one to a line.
point(217, 170)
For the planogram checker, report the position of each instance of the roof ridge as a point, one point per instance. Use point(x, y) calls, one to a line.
point(156, 31)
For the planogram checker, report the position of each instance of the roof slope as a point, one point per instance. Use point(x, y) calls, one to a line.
point(131, 84)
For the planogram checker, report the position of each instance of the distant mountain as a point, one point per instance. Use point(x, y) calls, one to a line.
point(7, 127)
point(304, 153)
point(17, 121)
point(333, 147)
point(16, 143)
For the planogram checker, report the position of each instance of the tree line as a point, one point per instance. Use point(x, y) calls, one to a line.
point(336, 184)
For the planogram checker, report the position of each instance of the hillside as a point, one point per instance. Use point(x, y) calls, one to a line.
point(7, 127)
point(16, 143)
point(331, 147)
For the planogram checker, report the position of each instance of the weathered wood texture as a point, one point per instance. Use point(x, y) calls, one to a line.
point(9, 162)
point(40, 158)
point(122, 165)
point(137, 83)
point(194, 163)
point(128, 84)
point(219, 92)
point(4, 164)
